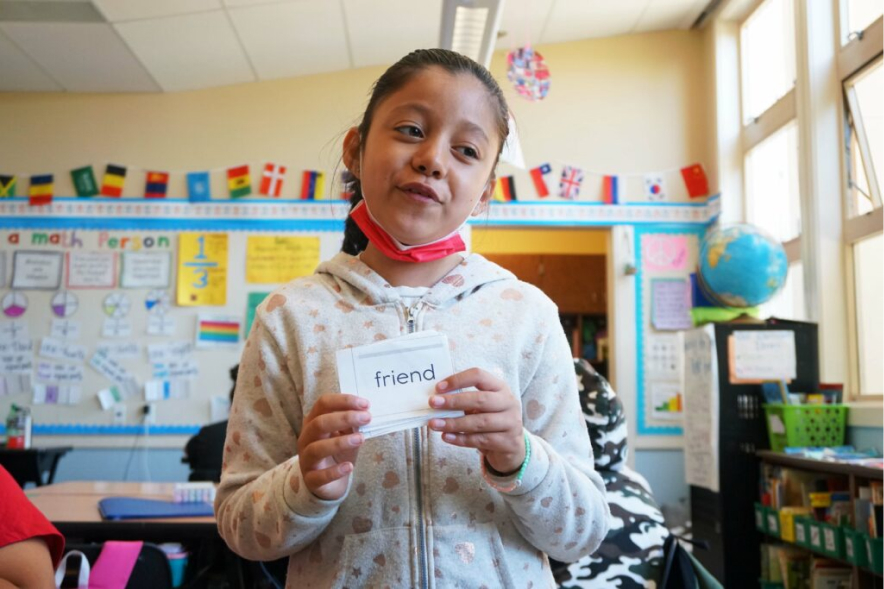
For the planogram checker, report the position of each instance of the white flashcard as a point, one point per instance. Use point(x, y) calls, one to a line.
point(159, 324)
point(65, 329)
point(37, 270)
point(220, 408)
point(109, 397)
point(397, 376)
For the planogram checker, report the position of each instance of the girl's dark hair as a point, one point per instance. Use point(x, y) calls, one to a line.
point(392, 80)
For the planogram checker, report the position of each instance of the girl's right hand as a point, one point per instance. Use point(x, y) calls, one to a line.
point(329, 443)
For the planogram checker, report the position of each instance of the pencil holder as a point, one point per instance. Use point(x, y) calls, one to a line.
point(805, 425)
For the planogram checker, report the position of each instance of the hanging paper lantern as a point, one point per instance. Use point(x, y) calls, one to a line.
point(528, 73)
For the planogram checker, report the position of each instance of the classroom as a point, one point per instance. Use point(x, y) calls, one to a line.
point(695, 185)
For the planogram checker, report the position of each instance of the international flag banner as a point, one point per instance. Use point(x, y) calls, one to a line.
point(505, 189)
point(238, 182)
point(157, 185)
point(312, 185)
point(695, 180)
point(610, 190)
point(569, 183)
point(537, 175)
point(214, 331)
point(198, 187)
point(40, 192)
point(271, 180)
point(114, 178)
point(655, 189)
point(84, 181)
point(7, 186)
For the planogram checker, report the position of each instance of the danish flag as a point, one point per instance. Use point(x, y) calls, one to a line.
point(271, 180)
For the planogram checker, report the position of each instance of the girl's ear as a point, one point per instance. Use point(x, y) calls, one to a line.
point(352, 145)
point(482, 205)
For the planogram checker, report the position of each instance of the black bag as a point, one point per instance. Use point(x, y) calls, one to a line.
point(681, 570)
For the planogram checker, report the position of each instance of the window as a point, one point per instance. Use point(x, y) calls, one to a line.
point(767, 55)
point(865, 123)
point(868, 264)
point(772, 196)
point(860, 14)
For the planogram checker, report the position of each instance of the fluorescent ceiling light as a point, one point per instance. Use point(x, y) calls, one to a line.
point(470, 27)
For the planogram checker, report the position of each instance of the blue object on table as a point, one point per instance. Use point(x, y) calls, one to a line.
point(134, 508)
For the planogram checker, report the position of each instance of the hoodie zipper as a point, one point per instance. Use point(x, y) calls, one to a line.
point(411, 314)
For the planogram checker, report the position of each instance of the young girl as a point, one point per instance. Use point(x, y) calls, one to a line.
point(473, 501)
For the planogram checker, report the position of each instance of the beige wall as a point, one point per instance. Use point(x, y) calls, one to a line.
point(628, 104)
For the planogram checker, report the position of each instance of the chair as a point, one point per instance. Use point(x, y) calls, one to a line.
point(151, 570)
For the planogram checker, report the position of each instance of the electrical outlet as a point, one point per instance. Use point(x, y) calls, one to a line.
point(150, 413)
point(119, 414)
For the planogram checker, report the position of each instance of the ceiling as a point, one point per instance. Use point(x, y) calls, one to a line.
point(177, 45)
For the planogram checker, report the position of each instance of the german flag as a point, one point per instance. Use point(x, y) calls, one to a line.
point(114, 178)
point(157, 185)
point(40, 192)
point(238, 182)
point(505, 189)
point(7, 186)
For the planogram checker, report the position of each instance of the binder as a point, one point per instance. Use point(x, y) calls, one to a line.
point(134, 508)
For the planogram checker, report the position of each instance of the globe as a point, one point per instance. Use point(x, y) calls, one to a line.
point(741, 266)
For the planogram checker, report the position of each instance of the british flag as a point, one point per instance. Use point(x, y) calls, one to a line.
point(569, 184)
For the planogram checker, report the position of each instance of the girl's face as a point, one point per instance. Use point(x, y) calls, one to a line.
point(429, 156)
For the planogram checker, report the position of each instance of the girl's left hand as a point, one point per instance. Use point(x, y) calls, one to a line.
point(493, 420)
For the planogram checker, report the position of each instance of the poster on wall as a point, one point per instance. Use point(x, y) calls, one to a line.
point(146, 270)
point(37, 270)
point(91, 270)
point(671, 304)
point(274, 260)
point(202, 269)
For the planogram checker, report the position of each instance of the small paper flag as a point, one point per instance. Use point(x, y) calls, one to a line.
point(537, 175)
point(505, 189)
point(271, 180)
point(695, 180)
point(157, 185)
point(84, 181)
point(312, 185)
point(40, 192)
point(569, 184)
point(214, 331)
point(655, 189)
point(610, 190)
point(7, 186)
point(114, 178)
point(238, 182)
point(198, 187)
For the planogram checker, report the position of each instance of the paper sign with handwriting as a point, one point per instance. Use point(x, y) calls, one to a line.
point(764, 355)
point(397, 376)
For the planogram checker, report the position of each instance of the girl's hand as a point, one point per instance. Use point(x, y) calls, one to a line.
point(493, 420)
point(328, 444)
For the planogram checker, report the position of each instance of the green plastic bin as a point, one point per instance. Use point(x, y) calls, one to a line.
point(772, 521)
point(802, 531)
point(805, 425)
point(874, 556)
point(814, 536)
point(855, 551)
point(832, 540)
point(760, 517)
point(770, 584)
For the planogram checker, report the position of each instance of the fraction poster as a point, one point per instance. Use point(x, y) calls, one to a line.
point(202, 269)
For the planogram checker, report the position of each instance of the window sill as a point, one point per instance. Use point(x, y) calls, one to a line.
point(865, 414)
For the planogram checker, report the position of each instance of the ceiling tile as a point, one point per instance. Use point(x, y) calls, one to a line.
point(523, 22)
point(572, 20)
point(19, 73)
point(292, 38)
point(82, 57)
point(189, 52)
point(665, 15)
point(383, 32)
point(123, 10)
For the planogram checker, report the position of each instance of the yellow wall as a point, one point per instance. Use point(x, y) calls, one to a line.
point(619, 105)
point(539, 241)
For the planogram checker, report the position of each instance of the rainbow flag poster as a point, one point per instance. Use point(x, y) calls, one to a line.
point(217, 331)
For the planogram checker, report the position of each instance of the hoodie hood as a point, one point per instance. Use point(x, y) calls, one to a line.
point(356, 281)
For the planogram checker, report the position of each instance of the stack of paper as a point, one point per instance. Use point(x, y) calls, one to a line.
point(397, 376)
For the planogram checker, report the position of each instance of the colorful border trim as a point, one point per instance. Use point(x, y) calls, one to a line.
point(74, 429)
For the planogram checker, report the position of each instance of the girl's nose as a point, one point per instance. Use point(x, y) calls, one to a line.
point(428, 160)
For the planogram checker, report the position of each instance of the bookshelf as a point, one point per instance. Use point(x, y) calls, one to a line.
point(857, 476)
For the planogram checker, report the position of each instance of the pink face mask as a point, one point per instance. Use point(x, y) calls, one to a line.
point(394, 250)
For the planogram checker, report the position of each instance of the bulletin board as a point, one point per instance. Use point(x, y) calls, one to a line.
point(105, 306)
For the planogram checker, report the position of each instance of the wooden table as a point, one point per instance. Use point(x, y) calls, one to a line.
point(28, 466)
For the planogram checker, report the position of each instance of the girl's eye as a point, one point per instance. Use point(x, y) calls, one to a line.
point(410, 130)
point(469, 152)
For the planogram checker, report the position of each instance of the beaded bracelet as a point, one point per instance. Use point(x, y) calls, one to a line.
point(518, 480)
